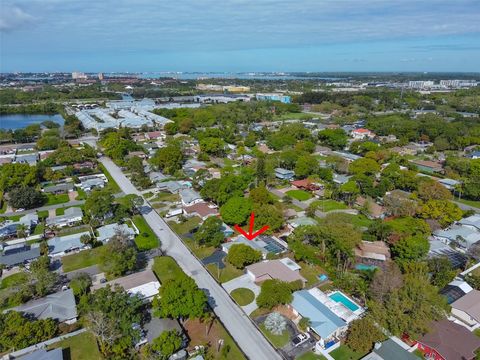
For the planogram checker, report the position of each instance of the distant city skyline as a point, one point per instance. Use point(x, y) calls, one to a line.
point(239, 35)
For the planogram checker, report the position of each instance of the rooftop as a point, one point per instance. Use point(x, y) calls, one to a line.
point(275, 269)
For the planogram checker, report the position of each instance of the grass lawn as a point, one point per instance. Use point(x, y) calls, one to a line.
point(13, 280)
point(345, 353)
point(42, 214)
point(226, 274)
point(243, 296)
point(300, 195)
point(79, 347)
point(82, 259)
point(74, 230)
point(3, 203)
point(419, 354)
point(311, 272)
point(81, 195)
point(112, 185)
point(165, 196)
point(311, 356)
point(147, 239)
point(469, 202)
point(198, 336)
point(39, 229)
point(278, 341)
point(57, 199)
point(360, 220)
point(329, 205)
point(200, 251)
point(60, 211)
point(185, 227)
point(166, 268)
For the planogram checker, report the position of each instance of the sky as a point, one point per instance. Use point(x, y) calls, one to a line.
point(239, 35)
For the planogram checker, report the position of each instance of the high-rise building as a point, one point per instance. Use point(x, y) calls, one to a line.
point(76, 75)
point(100, 76)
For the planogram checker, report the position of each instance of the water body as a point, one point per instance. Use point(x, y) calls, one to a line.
point(228, 75)
point(18, 121)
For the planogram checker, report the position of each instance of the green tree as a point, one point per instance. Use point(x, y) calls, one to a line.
point(213, 146)
point(411, 248)
point(270, 215)
point(80, 284)
point(334, 138)
point(364, 166)
point(169, 159)
point(210, 232)
point(119, 256)
point(110, 313)
point(99, 204)
point(167, 343)
point(180, 297)
point(240, 255)
point(43, 279)
point(429, 189)
point(236, 210)
point(26, 198)
point(363, 334)
point(444, 211)
point(306, 165)
point(441, 271)
point(261, 196)
point(17, 331)
point(17, 175)
point(274, 292)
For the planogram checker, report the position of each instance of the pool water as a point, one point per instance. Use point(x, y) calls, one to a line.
point(339, 297)
point(365, 267)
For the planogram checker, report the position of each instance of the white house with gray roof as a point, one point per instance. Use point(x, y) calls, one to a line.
point(62, 245)
point(106, 232)
point(71, 216)
point(190, 197)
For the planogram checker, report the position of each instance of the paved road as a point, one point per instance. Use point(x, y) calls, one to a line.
point(466, 207)
point(249, 338)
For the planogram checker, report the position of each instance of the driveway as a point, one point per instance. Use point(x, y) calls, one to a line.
point(244, 281)
point(216, 258)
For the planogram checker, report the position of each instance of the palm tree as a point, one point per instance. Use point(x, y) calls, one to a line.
point(22, 231)
point(208, 317)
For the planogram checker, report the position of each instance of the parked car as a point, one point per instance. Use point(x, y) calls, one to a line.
point(300, 339)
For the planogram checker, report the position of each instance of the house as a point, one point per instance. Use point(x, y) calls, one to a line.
point(284, 174)
point(428, 166)
point(473, 155)
point(9, 228)
point(264, 148)
point(191, 166)
point(226, 230)
point(71, 216)
point(450, 184)
point(307, 185)
point(391, 349)
point(59, 306)
point(301, 221)
point(62, 245)
point(455, 290)
point(202, 210)
point(448, 341)
point(154, 135)
point(88, 183)
point(144, 284)
point(347, 156)
point(467, 310)
point(323, 321)
point(265, 244)
point(173, 186)
point(155, 326)
point(43, 354)
point(360, 134)
point(340, 179)
point(19, 254)
point(30, 159)
point(373, 210)
point(139, 154)
point(284, 269)
point(190, 197)
point(472, 222)
point(462, 236)
point(106, 232)
point(372, 252)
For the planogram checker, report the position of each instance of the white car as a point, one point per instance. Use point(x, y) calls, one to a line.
point(300, 339)
point(20, 210)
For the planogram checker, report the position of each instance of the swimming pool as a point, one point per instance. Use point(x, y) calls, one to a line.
point(339, 297)
point(365, 267)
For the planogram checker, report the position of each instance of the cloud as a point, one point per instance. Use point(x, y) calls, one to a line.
point(13, 18)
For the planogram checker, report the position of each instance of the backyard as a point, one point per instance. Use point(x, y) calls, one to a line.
point(300, 195)
point(310, 356)
point(14, 279)
point(186, 226)
point(146, 239)
point(328, 205)
point(345, 353)
point(228, 273)
point(82, 259)
point(79, 347)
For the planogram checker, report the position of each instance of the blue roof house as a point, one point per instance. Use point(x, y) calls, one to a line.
point(284, 174)
point(324, 322)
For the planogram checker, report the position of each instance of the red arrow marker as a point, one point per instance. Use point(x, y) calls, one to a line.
point(251, 235)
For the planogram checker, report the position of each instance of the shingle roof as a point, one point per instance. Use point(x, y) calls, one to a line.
point(28, 253)
point(389, 350)
point(59, 306)
point(106, 232)
point(323, 321)
point(451, 341)
point(42, 354)
point(274, 269)
point(470, 303)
